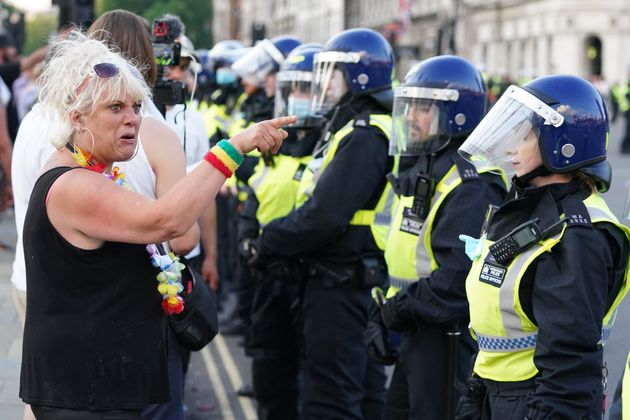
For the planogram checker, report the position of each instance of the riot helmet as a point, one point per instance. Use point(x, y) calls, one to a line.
point(221, 57)
point(293, 84)
point(440, 98)
point(356, 60)
point(564, 115)
point(264, 58)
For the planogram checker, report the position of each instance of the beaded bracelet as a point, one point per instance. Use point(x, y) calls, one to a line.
point(224, 157)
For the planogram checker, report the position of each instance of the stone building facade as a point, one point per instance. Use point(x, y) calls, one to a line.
point(522, 38)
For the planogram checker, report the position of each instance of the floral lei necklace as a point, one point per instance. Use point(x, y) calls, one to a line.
point(170, 277)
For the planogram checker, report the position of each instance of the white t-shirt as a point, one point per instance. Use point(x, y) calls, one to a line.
point(196, 136)
point(31, 150)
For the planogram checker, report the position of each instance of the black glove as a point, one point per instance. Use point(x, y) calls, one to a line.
point(376, 338)
point(376, 342)
point(393, 318)
point(250, 253)
point(471, 401)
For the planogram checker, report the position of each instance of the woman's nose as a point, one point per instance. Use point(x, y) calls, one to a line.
point(132, 117)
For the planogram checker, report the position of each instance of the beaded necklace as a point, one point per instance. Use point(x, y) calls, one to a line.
point(170, 277)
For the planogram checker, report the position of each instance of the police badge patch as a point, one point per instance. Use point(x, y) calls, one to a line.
point(411, 223)
point(492, 274)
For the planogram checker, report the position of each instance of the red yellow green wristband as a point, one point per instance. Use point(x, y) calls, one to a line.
point(224, 157)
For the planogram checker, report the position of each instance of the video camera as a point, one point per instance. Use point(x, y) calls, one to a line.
point(167, 53)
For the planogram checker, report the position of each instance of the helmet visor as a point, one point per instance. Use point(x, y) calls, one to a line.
point(258, 62)
point(421, 122)
point(293, 95)
point(329, 84)
point(498, 139)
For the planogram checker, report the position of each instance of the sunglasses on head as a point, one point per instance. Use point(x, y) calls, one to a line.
point(102, 70)
point(106, 70)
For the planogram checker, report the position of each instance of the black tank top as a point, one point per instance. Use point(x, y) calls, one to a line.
point(93, 337)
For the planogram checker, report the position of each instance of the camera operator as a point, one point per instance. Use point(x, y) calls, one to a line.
point(186, 121)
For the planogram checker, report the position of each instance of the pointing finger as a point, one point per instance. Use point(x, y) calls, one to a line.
point(281, 121)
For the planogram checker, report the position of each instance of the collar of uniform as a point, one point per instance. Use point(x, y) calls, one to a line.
point(300, 141)
point(442, 163)
point(543, 203)
point(350, 106)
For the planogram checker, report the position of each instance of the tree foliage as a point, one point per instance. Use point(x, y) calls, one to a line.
point(38, 28)
point(196, 14)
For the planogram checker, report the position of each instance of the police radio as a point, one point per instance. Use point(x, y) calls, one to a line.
point(520, 239)
point(422, 192)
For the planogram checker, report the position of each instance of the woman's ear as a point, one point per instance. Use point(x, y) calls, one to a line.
point(77, 119)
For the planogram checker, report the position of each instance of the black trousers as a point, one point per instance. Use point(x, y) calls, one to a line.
point(339, 380)
point(506, 400)
point(420, 383)
point(274, 347)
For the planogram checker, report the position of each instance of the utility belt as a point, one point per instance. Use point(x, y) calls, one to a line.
point(474, 394)
point(364, 273)
point(286, 271)
point(519, 388)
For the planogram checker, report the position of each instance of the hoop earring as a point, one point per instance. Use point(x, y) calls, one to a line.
point(87, 158)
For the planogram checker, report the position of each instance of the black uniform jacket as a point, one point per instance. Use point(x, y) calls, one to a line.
point(566, 293)
point(248, 226)
point(354, 180)
point(441, 298)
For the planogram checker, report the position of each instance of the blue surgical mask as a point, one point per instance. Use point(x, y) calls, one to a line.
point(300, 107)
point(225, 76)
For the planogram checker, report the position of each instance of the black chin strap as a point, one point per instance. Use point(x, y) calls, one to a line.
point(523, 181)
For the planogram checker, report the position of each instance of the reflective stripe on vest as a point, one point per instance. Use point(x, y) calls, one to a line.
point(276, 186)
point(505, 335)
point(409, 256)
point(378, 218)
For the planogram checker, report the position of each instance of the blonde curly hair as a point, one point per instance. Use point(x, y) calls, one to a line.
point(69, 82)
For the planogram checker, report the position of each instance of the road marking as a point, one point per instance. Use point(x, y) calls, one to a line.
point(217, 386)
point(235, 377)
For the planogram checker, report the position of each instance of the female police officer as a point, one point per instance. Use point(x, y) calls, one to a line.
point(550, 272)
point(438, 104)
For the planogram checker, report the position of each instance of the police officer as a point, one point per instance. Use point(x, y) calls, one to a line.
point(222, 99)
point(338, 226)
point(548, 276)
point(257, 69)
point(439, 103)
point(226, 99)
point(274, 336)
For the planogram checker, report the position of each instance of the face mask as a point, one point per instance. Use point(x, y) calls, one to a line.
point(225, 77)
point(300, 107)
